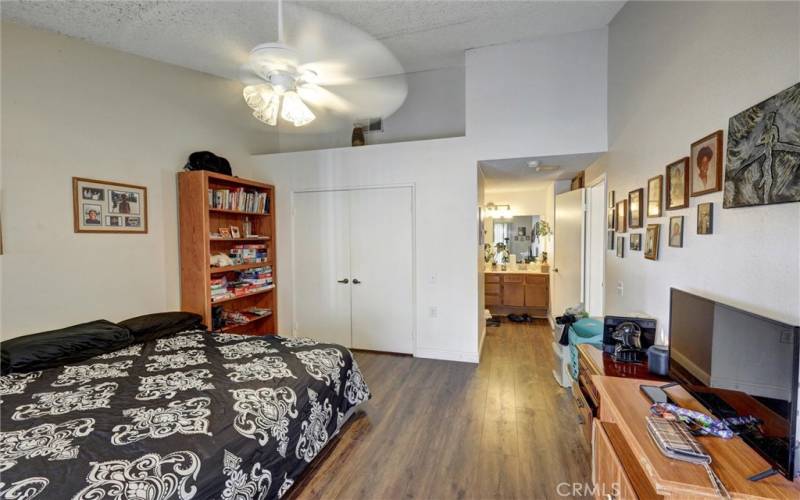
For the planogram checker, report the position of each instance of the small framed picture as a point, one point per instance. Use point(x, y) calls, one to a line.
point(678, 184)
point(224, 232)
point(620, 246)
point(676, 231)
point(103, 206)
point(610, 242)
point(636, 242)
point(612, 215)
point(706, 164)
point(705, 218)
point(621, 218)
point(635, 215)
point(651, 237)
point(235, 232)
point(655, 187)
point(611, 199)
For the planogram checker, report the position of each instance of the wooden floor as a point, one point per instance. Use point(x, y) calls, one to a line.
point(441, 430)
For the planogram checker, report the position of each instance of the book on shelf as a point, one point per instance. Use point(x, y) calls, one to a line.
point(241, 199)
point(246, 282)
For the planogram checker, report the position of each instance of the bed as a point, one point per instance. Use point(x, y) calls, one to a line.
point(189, 415)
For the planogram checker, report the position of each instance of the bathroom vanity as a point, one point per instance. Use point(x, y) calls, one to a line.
point(517, 292)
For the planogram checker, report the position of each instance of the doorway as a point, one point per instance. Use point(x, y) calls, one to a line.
point(596, 235)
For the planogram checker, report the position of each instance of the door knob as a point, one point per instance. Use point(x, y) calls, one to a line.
point(356, 282)
point(555, 269)
point(344, 281)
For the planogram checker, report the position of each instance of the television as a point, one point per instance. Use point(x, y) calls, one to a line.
point(739, 364)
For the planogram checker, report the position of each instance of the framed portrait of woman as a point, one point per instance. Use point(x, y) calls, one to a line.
point(706, 164)
point(651, 237)
point(678, 184)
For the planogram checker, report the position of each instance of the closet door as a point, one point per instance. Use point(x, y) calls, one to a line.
point(381, 269)
point(322, 266)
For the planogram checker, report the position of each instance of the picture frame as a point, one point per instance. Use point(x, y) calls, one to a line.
point(611, 211)
point(224, 232)
point(675, 238)
point(635, 204)
point(677, 177)
point(620, 247)
point(636, 242)
point(705, 218)
point(651, 241)
point(235, 232)
point(761, 166)
point(621, 224)
point(705, 156)
point(655, 189)
point(100, 206)
point(610, 240)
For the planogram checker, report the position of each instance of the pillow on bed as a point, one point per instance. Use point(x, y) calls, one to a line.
point(61, 347)
point(152, 326)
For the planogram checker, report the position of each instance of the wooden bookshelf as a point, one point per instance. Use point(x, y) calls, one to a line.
point(198, 219)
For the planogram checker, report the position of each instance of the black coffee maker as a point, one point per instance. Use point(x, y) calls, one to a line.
point(627, 339)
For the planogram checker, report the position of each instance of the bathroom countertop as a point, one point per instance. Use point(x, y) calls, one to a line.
point(535, 270)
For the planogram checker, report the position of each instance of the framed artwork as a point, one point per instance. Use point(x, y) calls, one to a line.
point(763, 164)
point(636, 242)
point(678, 184)
point(706, 164)
point(620, 246)
point(655, 187)
point(610, 242)
point(235, 232)
point(611, 213)
point(621, 216)
point(635, 215)
point(224, 232)
point(676, 231)
point(651, 236)
point(705, 218)
point(108, 207)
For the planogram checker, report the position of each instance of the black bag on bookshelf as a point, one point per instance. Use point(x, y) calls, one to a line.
point(206, 160)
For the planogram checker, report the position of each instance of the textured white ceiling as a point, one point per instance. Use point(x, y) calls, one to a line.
point(215, 36)
point(514, 174)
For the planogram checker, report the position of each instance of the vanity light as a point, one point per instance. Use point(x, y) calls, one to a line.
point(498, 211)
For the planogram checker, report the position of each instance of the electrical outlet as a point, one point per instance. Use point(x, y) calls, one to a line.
point(620, 288)
point(434, 312)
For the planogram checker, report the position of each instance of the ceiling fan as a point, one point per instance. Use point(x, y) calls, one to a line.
point(324, 67)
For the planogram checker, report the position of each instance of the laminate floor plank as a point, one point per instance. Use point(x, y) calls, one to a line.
point(439, 430)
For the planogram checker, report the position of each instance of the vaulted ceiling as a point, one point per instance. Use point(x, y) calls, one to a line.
point(210, 36)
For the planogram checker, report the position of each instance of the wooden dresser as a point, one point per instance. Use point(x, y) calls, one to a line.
point(517, 293)
point(627, 464)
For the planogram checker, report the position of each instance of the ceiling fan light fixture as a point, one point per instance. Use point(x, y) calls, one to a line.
point(268, 113)
point(295, 110)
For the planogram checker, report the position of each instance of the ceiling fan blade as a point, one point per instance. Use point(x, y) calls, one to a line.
point(334, 49)
point(320, 97)
point(372, 98)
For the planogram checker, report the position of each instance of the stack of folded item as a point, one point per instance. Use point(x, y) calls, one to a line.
point(219, 289)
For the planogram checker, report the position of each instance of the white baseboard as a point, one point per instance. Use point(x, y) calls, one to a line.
point(446, 355)
point(480, 344)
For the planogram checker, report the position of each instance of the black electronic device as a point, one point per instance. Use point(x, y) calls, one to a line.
point(655, 393)
point(740, 366)
point(628, 338)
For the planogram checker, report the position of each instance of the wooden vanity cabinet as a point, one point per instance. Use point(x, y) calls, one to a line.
point(517, 293)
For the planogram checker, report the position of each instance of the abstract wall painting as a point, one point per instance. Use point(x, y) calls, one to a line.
point(763, 165)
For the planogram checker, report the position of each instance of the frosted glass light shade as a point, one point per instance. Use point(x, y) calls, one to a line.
point(295, 110)
point(268, 112)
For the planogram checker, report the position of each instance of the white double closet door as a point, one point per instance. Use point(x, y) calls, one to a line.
point(353, 268)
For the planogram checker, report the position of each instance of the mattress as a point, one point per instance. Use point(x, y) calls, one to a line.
point(191, 415)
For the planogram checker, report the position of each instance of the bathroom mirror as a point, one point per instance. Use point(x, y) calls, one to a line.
point(519, 236)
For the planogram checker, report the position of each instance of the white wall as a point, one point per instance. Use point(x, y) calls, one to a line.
point(546, 97)
point(74, 109)
point(434, 109)
point(446, 200)
point(444, 172)
point(481, 262)
point(679, 71)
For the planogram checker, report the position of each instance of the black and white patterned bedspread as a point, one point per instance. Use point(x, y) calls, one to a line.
point(192, 415)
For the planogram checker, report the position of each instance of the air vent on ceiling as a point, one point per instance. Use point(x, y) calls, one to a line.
point(370, 126)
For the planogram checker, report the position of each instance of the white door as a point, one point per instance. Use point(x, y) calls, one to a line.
point(567, 271)
point(381, 269)
point(322, 266)
point(596, 227)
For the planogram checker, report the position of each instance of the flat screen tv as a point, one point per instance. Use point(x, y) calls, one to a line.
point(739, 364)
